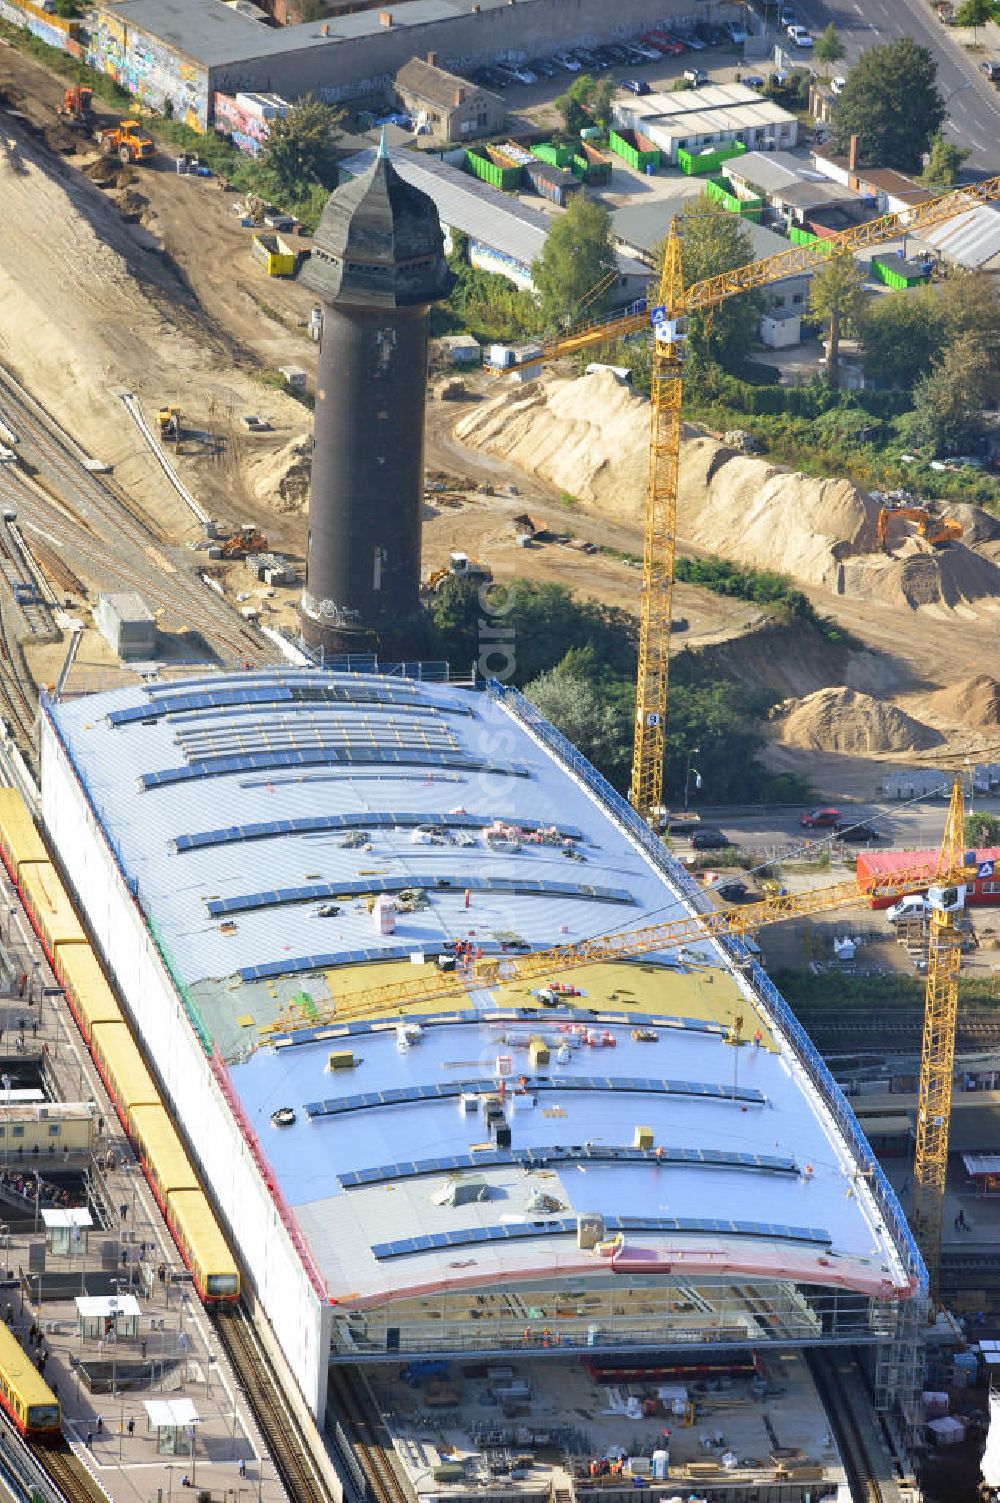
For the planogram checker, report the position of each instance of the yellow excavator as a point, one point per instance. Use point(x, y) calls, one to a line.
point(934, 530)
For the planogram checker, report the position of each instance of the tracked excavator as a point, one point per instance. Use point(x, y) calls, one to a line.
point(937, 531)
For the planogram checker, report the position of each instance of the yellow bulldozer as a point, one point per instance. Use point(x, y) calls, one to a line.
point(168, 421)
point(128, 141)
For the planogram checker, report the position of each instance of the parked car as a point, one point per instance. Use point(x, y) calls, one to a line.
point(694, 41)
point(992, 70)
point(695, 76)
point(838, 85)
point(673, 46)
point(753, 80)
point(821, 819)
point(788, 16)
point(800, 36)
point(863, 834)
point(544, 68)
point(914, 905)
point(737, 892)
point(735, 32)
point(568, 63)
point(635, 85)
point(707, 839)
point(651, 54)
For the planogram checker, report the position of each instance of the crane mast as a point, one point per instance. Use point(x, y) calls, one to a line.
point(937, 1060)
point(659, 542)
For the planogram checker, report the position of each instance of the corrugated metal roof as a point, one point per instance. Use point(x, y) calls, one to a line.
point(479, 211)
point(971, 240)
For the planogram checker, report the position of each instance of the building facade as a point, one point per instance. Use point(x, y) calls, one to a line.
point(448, 107)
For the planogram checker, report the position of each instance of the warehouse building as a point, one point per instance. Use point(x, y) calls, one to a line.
point(637, 229)
point(181, 52)
point(796, 192)
point(505, 236)
point(655, 1159)
point(446, 106)
point(695, 120)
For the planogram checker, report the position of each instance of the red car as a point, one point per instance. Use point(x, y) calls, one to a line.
point(667, 44)
point(821, 819)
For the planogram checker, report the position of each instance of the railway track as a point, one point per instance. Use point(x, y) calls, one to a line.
point(866, 1464)
point(69, 1474)
point(905, 1024)
point(369, 1442)
point(296, 1468)
point(78, 511)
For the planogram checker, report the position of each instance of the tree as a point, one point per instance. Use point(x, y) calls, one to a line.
point(891, 102)
point(299, 150)
point(970, 304)
point(714, 241)
point(975, 13)
point(982, 830)
point(828, 49)
point(576, 256)
point(943, 161)
point(901, 334)
point(586, 102)
point(837, 297)
point(948, 402)
point(578, 706)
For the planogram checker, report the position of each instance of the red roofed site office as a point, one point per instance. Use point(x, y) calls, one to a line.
point(875, 864)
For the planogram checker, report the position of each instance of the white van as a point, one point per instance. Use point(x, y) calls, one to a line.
point(914, 905)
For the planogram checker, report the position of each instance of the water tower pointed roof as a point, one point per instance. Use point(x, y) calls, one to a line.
point(379, 243)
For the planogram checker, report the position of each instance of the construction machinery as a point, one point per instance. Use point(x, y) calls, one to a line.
point(460, 566)
point(249, 539)
point(128, 141)
point(168, 422)
point(667, 315)
point(77, 106)
point(938, 531)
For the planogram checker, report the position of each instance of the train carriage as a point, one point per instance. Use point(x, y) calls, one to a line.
point(166, 1164)
point(87, 991)
point(20, 842)
point(202, 1245)
point(49, 907)
point(122, 1070)
point(24, 1394)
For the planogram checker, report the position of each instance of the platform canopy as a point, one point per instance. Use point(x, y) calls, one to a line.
point(171, 1414)
point(74, 1216)
point(94, 1306)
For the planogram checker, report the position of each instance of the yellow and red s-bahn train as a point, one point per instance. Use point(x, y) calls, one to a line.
point(25, 1397)
point(116, 1055)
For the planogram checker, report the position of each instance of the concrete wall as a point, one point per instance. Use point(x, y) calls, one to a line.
point(150, 70)
point(301, 1323)
point(359, 67)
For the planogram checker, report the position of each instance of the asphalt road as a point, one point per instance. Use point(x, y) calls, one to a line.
point(914, 826)
point(974, 114)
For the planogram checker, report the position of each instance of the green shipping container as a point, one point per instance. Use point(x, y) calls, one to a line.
point(556, 156)
point(635, 149)
point(719, 190)
point(897, 273)
point(708, 161)
point(591, 166)
point(507, 178)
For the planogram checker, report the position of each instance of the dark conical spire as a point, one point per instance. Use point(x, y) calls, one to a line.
point(379, 243)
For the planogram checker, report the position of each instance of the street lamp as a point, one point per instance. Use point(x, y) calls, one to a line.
point(693, 751)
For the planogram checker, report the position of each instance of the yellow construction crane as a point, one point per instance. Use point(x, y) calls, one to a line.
point(945, 887)
point(673, 304)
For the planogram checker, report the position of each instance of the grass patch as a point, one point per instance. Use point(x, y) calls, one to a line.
point(803, 990)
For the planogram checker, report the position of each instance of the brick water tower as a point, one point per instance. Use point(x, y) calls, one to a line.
point(377, 265)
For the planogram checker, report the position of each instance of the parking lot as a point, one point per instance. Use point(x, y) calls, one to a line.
point(658, 59)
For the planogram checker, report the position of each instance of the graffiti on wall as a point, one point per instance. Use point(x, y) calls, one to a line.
point(152, 72)
point(52, 30)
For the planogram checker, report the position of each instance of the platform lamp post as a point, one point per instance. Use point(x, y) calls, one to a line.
point(693, 751)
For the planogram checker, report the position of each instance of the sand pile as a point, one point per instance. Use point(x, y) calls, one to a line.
point(845, 720)
point(975, 701)
point(590, 438)
point(281, 479)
